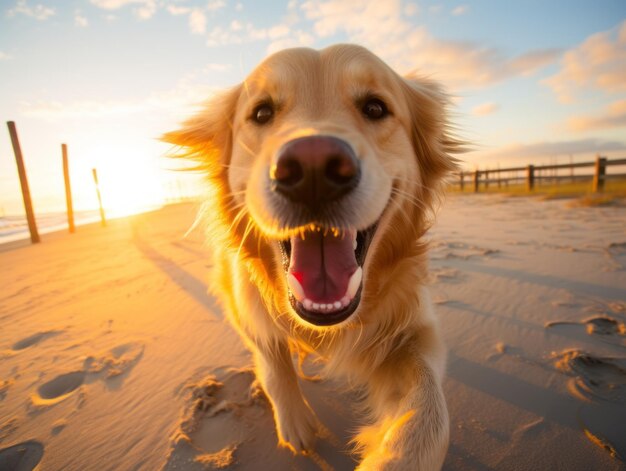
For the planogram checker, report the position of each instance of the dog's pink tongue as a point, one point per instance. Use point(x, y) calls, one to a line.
point(323, 264)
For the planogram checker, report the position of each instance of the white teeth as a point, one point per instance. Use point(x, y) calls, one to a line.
point(295, 287)
point(326, 307)
point(353, 286)
point(354, 283)
point(354, 244)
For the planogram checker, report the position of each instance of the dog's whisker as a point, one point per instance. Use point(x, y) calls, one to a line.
point(410, 198)
point(237, 219)
point(246, 148)
point(249, 227)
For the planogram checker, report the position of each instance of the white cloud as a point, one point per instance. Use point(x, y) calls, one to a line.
point(485, 109)
point(213, 67)
point(4, 56)
point(460, 10)
point(236, 25)
point(220, 36)
point(411, 9)
point(145, 8)
point(146, 11)
point(382, 27)
point(182, 99)
point(39, 12)
point(215, 5)
point(80, 20)
point(176, 10)
point(613, 117)
point(598, 63)
point(297, 38)
point(239, 7)
point(535, 152)
point(197, 21)
point(115, 4)
point(278, 31)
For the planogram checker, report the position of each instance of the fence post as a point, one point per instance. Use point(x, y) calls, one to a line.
point(476, 177)
point(95, 179)
point(68, 190)
point(486, 179)
point(21, 170)
point(530, 177)
point(598, 177)
point(462, 181)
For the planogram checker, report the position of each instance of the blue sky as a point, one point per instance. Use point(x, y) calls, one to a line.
point(532, 81)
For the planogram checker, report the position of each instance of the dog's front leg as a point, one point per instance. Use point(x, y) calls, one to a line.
point(296, 424)
point(412, 431)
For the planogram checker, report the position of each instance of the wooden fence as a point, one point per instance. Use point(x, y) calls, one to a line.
point(28, 205)
point(534, 175)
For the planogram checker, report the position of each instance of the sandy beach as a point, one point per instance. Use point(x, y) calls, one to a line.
point(114, 357)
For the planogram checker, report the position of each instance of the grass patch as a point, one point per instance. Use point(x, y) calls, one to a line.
point(614, 189)
point(592, 200)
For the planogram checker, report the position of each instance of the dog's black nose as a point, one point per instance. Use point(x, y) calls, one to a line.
point(314, 170)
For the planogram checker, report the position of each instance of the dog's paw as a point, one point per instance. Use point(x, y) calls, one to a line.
point(379, 462)
point(297, 429)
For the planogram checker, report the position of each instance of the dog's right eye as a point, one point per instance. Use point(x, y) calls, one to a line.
point(374, 109)
point(263, 113)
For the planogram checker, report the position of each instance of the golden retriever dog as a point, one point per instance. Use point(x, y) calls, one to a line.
point(324, 167)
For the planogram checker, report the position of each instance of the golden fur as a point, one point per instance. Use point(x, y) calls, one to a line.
point(390, 347)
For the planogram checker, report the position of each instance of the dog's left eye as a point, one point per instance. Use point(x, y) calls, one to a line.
point(263, 113)
point(374, 109)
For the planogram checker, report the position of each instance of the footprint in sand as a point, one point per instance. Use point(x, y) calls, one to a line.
point(117, 361)
point(616, 252)
point(612, 330)
point(58, 388)
point(601, 383)
point(34, 339)
point(227, 421)
point(5, 384)
point(459, 250)
point(24, 456)
point(595, 377)
point(445, 275)
point(111, 364)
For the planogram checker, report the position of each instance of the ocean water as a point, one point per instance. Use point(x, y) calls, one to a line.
point(16, 227)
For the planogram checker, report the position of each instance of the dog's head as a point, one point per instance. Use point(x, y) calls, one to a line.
point(326, 162)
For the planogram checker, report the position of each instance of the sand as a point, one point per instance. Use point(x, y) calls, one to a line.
point(113, 357)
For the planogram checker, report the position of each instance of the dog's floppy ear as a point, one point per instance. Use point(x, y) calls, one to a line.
point(207, 137)
point(430, 132)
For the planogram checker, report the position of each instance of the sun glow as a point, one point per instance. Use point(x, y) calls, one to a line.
point(128, 192)
point(131, 176)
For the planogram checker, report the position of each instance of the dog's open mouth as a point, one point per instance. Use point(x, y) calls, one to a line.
point(324, 269)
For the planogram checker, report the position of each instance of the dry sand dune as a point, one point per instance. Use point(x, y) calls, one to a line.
point(113, 357)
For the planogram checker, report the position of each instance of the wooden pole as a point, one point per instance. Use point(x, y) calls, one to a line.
point(95, 179)
point(68, 190)
point(476, 177)
point(598, 177)
point(462, 181)
point(21, 170)
point(530, 177)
